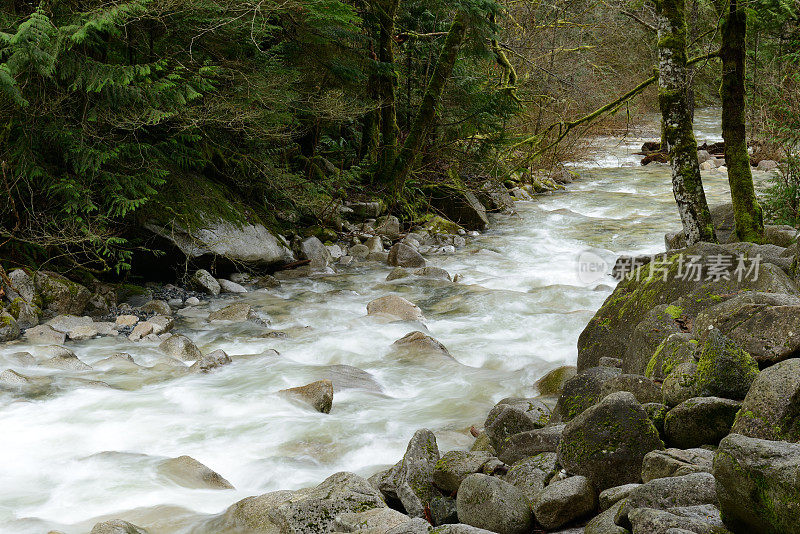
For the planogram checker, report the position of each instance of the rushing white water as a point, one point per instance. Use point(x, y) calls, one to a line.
point(75, 454)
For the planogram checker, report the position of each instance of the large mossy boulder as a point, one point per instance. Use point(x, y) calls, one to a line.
point(459, 205)
point(582, 391)
point(655, 326)
point(208, 224)
point(608, 442)
point(766, 325)
point(700, 421)
point(530, 443)
point(668, 281)
point(9, 329)
point(676, 463)
point(674, 350)
point(724, 369)
point(507, 419)
point(454, 466)
point(59, 295)
point(771, 409)
point(758, 484)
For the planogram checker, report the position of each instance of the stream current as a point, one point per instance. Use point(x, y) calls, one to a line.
point(75, 455)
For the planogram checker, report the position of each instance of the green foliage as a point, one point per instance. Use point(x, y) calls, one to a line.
point(781, 199)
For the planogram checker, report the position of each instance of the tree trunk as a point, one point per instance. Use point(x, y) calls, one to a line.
point(677, 122)
point(746, 211)
point(427, 109)
point(370, 125)
point(387, 86)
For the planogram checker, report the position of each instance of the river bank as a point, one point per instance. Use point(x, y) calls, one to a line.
point(514, 315)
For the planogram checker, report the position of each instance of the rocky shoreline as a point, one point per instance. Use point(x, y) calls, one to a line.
point(682, 415)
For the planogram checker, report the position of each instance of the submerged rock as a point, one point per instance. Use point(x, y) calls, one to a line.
point(181, 347)
point(415, 344)
point(318, 395)
point(117, 526)
point(189, 473)
point(62, 358)
point(395, 307)
point(210, 361)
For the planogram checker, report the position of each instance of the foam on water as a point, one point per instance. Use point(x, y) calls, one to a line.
point(73, 455)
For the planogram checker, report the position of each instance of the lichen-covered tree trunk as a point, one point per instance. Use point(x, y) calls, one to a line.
point(746, 211)
point(687, 185)
point(370, 125)
point(387, 86)
point(427, 109)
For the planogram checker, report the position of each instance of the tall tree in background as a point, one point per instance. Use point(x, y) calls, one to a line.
point(746, 210)
point(687, 184)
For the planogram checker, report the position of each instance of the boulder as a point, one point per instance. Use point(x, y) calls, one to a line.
point(202, 281)
point(757, 482)
point(604, 522)
point(530, 475)
point(141, 330)
point(388, 226)
point(680, 384)
point(9, 329)
point(411, 480)
point(506, 420)
point(210, 361)
point(44, 335)
point(610, 331)
point(398, 273)
point(724, 369)
point(665, 493)
point(766, 325)
point(26, 314)
point(657, 412)
point(117, 526)
point(495, 197)
point(161, 323)
point(416, 345)
point(59, 295)
point(375, 520)
point(374, 244)
point(62, 358)
point(237, 312)
point(217, 239)
point(180, 347)
point(582, 391)
point(460, 206)
point(126, 321)
point(454, 466)
point(767, 165)
point(359, 252)
point(564, 501)
point(674, 350)
point(158, 307)
point(676, 463)
point(654, 327)
point(607, 443)
point(644, 389)
point(22, 286)
point(318, 395)
point(68, 323)
point(189, 473)
point(443, 510)
point(435, 273)
point(489, 503)
point(313, 250)
point(530, 443)
point(402, 255)
point(771, 409)
point(700, 421)
point(612, 496)
point(226, 286)
point(307, 511)
point(650, 521)
point(395, 307)
point(780, 235)
point(554, 381)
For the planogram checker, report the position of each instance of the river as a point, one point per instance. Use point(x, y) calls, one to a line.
point(77, 454)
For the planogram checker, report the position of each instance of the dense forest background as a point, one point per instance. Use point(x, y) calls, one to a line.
point(117, 112)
